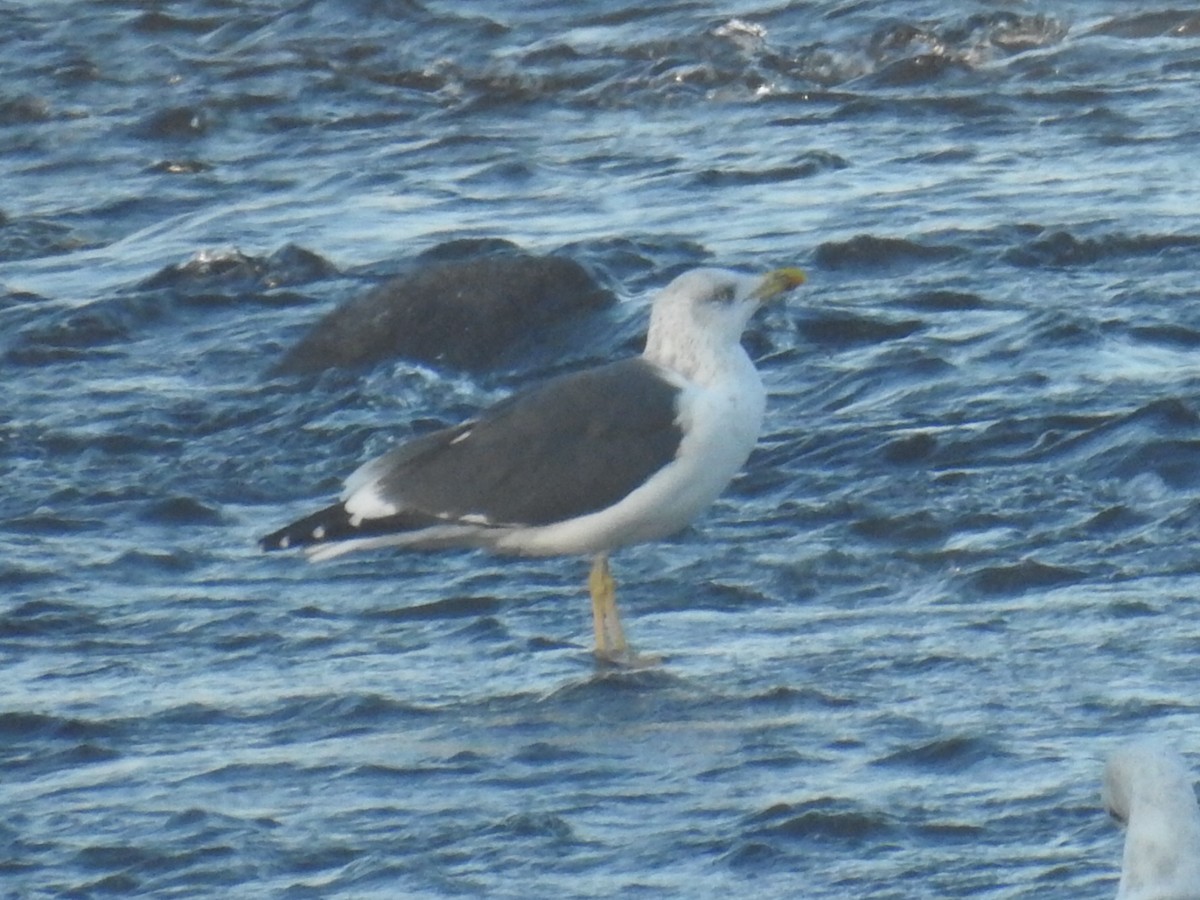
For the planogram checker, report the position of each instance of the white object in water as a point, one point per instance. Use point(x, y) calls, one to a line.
point(1148, 788)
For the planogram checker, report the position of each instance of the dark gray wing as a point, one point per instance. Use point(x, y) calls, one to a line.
point(571, 446)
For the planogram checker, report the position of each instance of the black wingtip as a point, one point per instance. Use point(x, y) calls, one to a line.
point(328, 524)
point(333, 523)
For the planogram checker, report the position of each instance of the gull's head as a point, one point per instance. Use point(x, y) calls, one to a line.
point(704, 311)
point(1146, 772)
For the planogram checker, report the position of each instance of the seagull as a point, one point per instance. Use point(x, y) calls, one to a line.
point(582, 464)
point(1147, 787)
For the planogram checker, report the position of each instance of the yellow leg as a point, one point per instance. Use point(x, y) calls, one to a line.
point(611, 646)
point(610, 636)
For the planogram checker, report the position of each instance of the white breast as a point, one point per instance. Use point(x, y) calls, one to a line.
point(721, 424)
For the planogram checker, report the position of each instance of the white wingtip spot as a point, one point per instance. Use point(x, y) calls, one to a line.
point(318, 533)
point(284, 542)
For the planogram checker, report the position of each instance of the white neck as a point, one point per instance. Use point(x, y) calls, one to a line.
point(674, 342)
point(1162, 846)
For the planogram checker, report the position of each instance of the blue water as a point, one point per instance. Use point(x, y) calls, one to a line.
point(961, 566)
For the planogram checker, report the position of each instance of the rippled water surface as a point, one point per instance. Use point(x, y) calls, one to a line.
point(960, 567)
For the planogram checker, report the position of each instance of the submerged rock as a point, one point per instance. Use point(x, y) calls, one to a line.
point(230, 271)
point(463, 313)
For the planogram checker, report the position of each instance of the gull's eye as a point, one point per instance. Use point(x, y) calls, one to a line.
point(724, 295)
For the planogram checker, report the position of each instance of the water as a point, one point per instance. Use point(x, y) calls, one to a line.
point(959, 569)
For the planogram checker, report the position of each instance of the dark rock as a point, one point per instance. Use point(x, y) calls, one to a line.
point(232, 272)
point(867, 251)
point(463, 314)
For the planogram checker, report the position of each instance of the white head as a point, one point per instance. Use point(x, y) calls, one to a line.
point(1148, 788)
point(698, 319)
